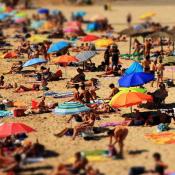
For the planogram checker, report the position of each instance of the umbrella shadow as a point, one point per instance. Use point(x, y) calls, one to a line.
point(136, 152)
point(95, 138)
point(50, 154)
point(33, 169)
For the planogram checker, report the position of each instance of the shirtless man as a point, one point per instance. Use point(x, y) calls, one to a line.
point(85, 95)
point(115, 90)
point(119, 134)
point(146, 63)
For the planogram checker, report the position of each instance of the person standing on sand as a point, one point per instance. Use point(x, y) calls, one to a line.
point(160, 69)
point(107, 57)
point(146, 64)
point(119, 134)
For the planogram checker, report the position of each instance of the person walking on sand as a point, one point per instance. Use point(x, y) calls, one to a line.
point(119, 134)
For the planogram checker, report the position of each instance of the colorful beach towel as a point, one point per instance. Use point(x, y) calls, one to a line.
point(59, 94)
point(95, 153)
point(5, 113)
point(108, 124)
point(162, 138)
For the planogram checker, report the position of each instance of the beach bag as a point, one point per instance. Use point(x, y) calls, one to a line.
point(19, 112)
point(170, 83)
point(2, 107)
point(136, 170)
point(162, 127)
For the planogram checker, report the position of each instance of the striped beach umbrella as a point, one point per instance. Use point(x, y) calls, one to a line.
point(86, 55)
point(70, 108)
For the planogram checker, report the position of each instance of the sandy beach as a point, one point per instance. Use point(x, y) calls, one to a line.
point(48, 124)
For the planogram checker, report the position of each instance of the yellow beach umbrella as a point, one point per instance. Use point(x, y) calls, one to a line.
point(104, 42)
point(38, 38)
point(147, 15)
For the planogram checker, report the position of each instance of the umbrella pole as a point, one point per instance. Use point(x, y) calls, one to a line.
point(161, 44)
point(131, 109)
point(130, 45)
point(83, 65)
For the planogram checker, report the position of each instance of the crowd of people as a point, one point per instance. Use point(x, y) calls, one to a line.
point(16, 150)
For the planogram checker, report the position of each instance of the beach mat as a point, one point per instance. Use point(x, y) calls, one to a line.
point(108, 124)
point(59, 94)
point(92, 158)
point(162, 138)
point(95, 153)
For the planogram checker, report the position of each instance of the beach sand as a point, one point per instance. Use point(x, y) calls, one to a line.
point(48, 124)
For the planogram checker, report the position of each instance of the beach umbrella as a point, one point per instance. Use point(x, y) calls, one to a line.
point(11, 55)
point(8, 129)
point(132, 89)
point(69, 108)
point(147, 15)
point(73, 24)
point(58, 46)
point(135, 79)
point(4, 16)
point(89, 38)
point(65, 59)
point(129, 99)
point(38, 38)
point(43, 11)
point(79, 13)
point(71, 30)
point(85, 55)
point(36, 24)
point(21, 15)
point(104, 42)
point(19, 20)
point(34, 61)
point(134, 67)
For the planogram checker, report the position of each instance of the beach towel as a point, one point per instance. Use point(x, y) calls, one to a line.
point(91, 159)
point(5, 113)
point(59, 94)
point(108, 124)
point(162, 138)
point(95, 153)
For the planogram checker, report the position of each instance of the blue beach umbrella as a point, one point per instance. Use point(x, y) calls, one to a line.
point(4, 16)
point(43, 11)
point(135, 79)
point(34, 61)
point(79, 13)
point(134, 67)
point(70, 108)
point(56, 47)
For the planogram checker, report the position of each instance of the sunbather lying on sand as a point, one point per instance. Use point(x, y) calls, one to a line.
point(83, 126)
point(21, 88)
point(16, 68)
